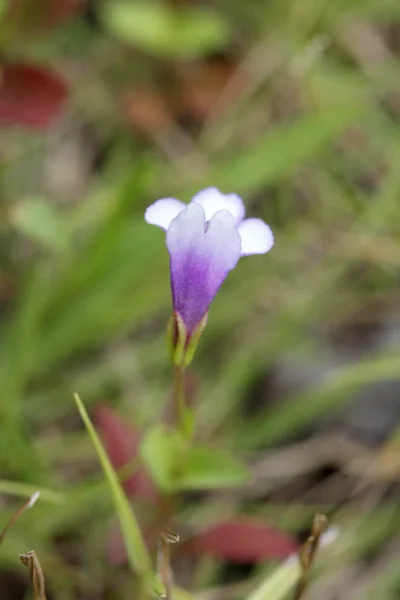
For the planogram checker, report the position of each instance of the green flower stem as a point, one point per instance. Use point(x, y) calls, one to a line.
point(180, 399)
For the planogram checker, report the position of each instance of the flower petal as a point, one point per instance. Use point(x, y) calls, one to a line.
point(212, 200)
point(257, 237)
point(163, 211)
point(200, 260)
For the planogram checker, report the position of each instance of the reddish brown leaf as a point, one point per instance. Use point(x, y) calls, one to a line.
point(146, 111)
point(122, 443)
point(57, 12)
point(201, 87)
point(32, 17)
point(30, 96)
point(243, 540)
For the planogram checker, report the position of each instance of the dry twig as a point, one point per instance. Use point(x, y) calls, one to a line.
point(31, 561)
point(307, 554)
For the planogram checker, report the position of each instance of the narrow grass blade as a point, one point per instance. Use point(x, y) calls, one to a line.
point(139, 559)
point(279, 584)
point(24, 490)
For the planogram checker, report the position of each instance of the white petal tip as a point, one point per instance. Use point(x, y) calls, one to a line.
point(212, 200)
point(257, 237)
point(33, 499)
point(162, 212)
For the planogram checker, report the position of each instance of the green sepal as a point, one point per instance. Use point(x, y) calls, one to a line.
point(193, 341)
point(177, 336)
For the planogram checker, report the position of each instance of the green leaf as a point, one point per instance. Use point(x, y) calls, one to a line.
point(282, 150)
point(208, 468)
point(25, 490)
point(40, 221)
point(278, 584)
point(3, 8)
point(163, 450)
point(181, 594)
point(362, 9)
point(139, 559)
point(273, 424)
point(158, 28)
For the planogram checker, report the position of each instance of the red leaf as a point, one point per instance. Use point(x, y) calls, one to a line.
point(122, 443)
point(59, 11)
point(243, 540)
point(30, 96)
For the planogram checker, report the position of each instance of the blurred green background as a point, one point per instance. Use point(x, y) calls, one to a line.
point(294, 105)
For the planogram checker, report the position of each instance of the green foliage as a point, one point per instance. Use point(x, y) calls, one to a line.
point(157, 28)
point(84, 289)
point(279, 584)
point(41, 222)
point(275, 425)
point(207, 468)
point(285, 148)
point(174, 465)
point(162, 451)
point(14, 488)
point(136, 550)
point(3, 8)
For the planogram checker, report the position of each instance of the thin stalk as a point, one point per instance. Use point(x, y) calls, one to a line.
point(164, 570)
point(180, 399)
point(307, 554)
point(25, 506)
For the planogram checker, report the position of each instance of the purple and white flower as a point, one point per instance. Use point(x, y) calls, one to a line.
point(205, 240)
